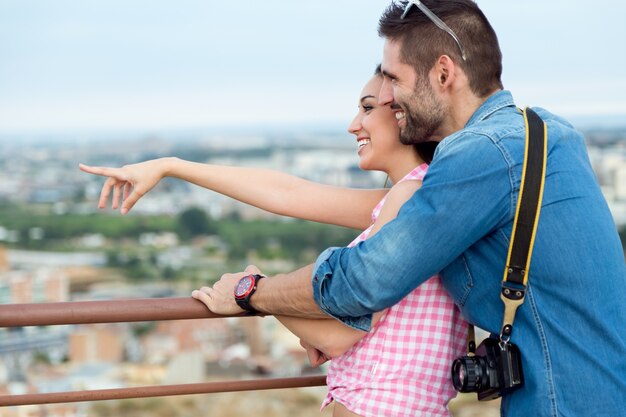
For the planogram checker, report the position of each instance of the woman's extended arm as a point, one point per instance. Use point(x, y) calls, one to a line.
point(330, 336)
point(269, 190)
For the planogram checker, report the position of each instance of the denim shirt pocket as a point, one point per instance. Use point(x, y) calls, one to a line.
point(457, 279)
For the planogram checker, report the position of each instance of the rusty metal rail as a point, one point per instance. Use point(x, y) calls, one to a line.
point(131, 310)
point(162, 391)
point(112, 311)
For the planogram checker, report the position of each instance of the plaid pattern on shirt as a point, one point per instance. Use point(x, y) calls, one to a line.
point(402, 366)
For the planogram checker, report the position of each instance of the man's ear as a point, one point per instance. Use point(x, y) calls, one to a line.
point(445, 72)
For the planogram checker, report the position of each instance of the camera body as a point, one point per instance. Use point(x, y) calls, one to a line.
point(495, 370)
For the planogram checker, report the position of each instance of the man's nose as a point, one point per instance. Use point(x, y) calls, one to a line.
point(385, 96)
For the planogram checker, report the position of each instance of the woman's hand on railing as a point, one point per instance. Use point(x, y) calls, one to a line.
point(129, 183)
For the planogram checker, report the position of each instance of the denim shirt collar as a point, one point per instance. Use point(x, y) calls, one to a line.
point(495, 102)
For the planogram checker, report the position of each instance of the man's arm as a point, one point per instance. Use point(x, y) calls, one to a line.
point(288, 294)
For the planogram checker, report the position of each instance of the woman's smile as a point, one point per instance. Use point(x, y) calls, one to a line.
point(361, 143)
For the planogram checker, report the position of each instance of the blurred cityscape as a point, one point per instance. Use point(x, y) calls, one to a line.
point(55, 246)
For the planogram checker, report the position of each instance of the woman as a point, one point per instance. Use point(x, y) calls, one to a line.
point(399, 368)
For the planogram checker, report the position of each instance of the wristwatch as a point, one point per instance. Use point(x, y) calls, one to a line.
point(244, 290)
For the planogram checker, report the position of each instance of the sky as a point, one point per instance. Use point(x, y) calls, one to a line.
point(163, 64)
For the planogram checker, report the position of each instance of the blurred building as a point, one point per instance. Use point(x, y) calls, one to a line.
point(37, 284)
point(97, 343)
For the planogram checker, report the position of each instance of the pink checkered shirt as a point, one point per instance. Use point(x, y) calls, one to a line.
point(402, 366)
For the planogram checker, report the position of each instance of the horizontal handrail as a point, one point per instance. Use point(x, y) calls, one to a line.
point(161, 391)
point(120, 311)
point(111, 311)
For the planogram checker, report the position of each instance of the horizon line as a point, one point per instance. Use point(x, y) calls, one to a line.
point(587, 121)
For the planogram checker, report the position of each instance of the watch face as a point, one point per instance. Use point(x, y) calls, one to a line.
point(244, 286)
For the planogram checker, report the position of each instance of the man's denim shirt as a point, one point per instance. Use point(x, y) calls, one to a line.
point(571, 328)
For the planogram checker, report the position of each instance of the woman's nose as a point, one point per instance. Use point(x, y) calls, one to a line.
point(355, 126)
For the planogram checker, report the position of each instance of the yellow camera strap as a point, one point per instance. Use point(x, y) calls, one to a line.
point(526, 219)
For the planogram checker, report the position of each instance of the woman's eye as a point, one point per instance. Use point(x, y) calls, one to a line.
point(367, 108)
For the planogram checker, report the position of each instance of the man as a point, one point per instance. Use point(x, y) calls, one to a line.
point(445, 83)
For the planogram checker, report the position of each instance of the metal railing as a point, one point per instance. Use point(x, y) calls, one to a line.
point(131, 310)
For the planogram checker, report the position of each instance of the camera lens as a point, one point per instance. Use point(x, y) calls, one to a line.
point(468, 374)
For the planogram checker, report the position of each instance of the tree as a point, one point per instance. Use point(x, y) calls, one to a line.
point(195, 222)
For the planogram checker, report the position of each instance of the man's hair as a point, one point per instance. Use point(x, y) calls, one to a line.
point(422, 43)
point(425, 150)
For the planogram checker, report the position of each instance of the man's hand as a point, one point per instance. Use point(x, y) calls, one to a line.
point(220, 298)
point(316, 357)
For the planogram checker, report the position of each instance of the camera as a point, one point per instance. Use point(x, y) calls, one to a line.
point(495, 370)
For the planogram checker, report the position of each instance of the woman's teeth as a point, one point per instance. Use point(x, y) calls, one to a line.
point(363, 142)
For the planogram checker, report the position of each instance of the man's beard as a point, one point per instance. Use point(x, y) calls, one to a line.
point(423, 115)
